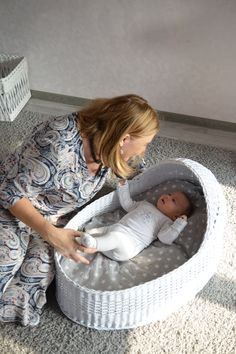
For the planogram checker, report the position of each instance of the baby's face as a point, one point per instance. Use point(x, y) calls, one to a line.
point(172, 204)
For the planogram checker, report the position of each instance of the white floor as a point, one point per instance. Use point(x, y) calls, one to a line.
point(181, 131)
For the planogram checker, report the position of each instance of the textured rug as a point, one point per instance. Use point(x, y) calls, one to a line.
point(205, 325)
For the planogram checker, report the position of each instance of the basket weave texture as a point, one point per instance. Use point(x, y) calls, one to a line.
point(155, 299)
point(14, 86)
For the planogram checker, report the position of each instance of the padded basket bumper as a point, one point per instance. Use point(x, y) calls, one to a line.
point(156, 299)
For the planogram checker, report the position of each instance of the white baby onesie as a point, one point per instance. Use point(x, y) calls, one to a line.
point(142, 224)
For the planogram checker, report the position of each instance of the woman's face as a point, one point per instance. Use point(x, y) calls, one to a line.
point(131, 147)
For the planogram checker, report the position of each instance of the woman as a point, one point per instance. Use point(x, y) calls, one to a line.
point(59, 168)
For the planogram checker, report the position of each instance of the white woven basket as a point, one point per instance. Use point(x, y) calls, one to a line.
point(14, 86)
point(154, 300)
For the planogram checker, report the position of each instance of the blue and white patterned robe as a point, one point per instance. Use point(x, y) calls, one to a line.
point(50, 170)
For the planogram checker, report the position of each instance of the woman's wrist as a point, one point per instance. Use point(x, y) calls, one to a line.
point(47, 231)
point(26, 212)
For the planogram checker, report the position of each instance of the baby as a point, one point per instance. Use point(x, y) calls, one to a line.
point(143, 223)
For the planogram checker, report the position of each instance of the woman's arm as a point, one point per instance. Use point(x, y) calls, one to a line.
point(63, 240)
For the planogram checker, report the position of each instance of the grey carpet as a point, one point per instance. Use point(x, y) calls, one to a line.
point(205, 325)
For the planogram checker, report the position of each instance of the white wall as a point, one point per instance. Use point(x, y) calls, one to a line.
point(179, 54)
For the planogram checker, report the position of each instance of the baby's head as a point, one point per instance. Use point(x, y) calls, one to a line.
point(174, 205)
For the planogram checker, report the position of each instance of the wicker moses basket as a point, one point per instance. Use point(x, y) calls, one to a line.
point(157, 298)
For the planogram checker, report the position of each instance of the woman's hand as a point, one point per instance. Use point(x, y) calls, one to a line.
point(63, 241)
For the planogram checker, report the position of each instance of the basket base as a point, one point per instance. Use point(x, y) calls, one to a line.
point(11, 117)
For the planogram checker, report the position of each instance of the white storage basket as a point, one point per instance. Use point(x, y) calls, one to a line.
point(14, 86)
point(155, 299)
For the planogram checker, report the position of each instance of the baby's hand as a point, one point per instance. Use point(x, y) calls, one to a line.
point(122, 182)
point(184, 217)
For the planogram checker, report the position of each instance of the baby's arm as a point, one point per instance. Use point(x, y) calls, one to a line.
point(169, 233)
point(124, 197)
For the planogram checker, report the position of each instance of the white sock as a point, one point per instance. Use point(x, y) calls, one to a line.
point(88, 240)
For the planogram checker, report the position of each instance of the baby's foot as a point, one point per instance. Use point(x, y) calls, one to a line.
point(88, 240)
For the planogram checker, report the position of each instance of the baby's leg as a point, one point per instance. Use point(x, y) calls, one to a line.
point(98, 230)
point(103, 242)
point(115, 243)
point(89, 241)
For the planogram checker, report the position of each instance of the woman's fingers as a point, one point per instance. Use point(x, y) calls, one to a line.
point(80, 247)
point(86, 249)
point(78, 258)
point(70, 248)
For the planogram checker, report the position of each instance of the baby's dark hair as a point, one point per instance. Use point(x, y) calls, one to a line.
point(189, 209)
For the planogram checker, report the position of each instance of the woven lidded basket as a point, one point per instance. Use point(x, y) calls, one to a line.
point(14, 86)
point(155, 299)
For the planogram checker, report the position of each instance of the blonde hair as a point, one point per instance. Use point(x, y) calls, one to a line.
point(107, 120)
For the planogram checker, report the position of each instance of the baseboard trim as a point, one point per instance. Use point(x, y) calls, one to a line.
point(175, 126)
point(70, 101)
point(58, 98)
